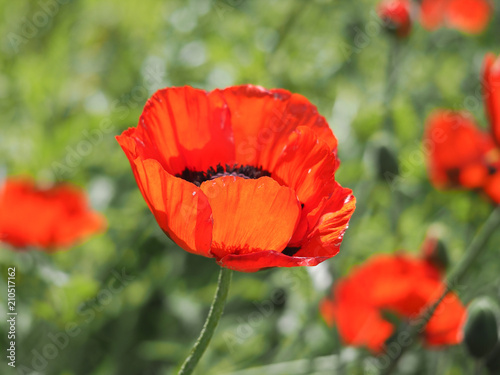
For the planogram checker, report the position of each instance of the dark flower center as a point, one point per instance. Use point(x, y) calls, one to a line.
point(453, 174)
point(244, 171)
point(290, 251)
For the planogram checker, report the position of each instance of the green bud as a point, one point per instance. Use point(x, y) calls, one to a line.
point(434, 251)
point(381, 158)
point(481, 330)
point(387, 165)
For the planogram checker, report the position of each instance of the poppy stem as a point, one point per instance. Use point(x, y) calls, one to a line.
point(475, 248)
point(478, 367)
point(210, 324)
point(393, 68)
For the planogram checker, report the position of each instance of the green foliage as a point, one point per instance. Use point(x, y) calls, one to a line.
point(129, 301)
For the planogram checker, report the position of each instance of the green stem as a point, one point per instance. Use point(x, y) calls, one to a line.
point(478, 368)
point(323, 365)
point(285, 28)
point(340, 367)
point(391, 81)
point(392, 74)
point(210, 324)
point(474, 250)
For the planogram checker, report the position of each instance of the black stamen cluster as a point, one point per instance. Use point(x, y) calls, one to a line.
point(245, 171)
point(291, 251)
point(454, 174)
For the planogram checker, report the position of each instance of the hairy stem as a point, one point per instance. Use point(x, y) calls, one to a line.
point(210, 324)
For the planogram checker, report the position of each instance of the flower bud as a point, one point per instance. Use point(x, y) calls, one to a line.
point(396, 16)
point(380, 157)
point(387, 163)
point(481, 330)
point(435, 252)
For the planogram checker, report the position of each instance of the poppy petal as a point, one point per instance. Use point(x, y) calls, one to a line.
point(422, 292)
point(473, 176)
point(256, 261)
point(359, 323)
point(471, 16)
point(454, 143)
point(263, 119)
point(180, 208)
point(492, 188)
point(432, 13)
point(75, 226)
point(308, 166)
point(250, 215)
point(58, 217)
point(366, 327)
point(444, 327)
point(491, 93)
point(325, 238)
point(183, 127)
point(397, 284)
point(327, 311)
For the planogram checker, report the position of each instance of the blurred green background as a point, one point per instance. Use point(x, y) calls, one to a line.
point(129, 301)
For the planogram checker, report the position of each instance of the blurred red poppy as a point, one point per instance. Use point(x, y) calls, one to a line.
point(460, 153)
point(471, 16)
point(396, 16)
point(49, 219)
point(459, 150)
point(243, 175)
point(397, 285)
point(491, 92)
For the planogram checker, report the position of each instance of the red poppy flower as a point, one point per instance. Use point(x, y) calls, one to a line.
point(460, 152)
point(243, 175)
point(462, 155)
point(45, 218)
point(397, 284)
point(471, 16)
point(491, 91)
point(396, 16)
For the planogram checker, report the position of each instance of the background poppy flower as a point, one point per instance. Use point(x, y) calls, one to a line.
point(491, 93)
point(244, 175)
point(396, 16)
point(398, 284)
point(460, 153)
point(471, 16)
point(45, 218)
